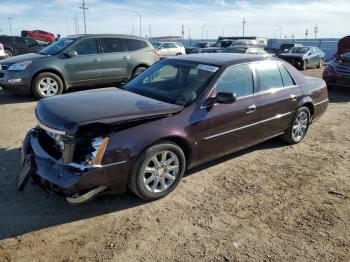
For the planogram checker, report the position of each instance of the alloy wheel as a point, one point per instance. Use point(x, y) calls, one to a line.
point(161, 171)
point(48, 86)
point(300, 126)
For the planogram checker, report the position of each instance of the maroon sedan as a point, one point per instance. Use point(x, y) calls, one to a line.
point(179, 113)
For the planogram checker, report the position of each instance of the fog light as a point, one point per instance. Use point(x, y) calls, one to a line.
point(16, 80)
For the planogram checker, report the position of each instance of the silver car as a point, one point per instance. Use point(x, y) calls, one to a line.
point(166, 49)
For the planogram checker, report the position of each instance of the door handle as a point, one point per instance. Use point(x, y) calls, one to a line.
point(251, 109)
point(126, 57)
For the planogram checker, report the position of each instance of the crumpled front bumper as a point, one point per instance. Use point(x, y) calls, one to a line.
point(68, 180)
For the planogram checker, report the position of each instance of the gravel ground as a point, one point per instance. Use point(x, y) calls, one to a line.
point(271, 202)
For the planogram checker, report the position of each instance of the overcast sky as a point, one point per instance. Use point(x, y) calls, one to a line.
point(264, 18)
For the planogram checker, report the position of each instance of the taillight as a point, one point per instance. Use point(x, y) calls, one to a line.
point(157, 53)
point(1, 47)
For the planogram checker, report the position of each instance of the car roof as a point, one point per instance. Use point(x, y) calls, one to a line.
point(221, 59)
point(104, 35)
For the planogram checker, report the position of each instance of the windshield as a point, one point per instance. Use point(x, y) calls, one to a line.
point(299, 50)
point(202, 45)
point(173, 81)
point(223, 43)
point(57, 47)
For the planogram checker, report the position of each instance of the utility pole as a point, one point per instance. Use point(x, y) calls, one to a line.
point(316, 30)
point(67, 26)
point(223, 32)
point(10, 18)
point(183, 31)
point(204, 25)
point(243, 23)
point(83, 6)
point(150, 31)
point(137, 13)
point(306, 33)
point(206, 34)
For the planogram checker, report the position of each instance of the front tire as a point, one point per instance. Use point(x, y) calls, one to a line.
point(46, 85)
point(298, 127)
point(138, 70)
point(158, 171)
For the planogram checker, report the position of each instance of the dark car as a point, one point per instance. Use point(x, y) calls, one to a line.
point(245, 50)
point(286, 47)
point(217, 46)
point(17, 45)
point(83, 60)
point(197, 47)
point(337, 72)
point(40, 35)
point(177, 114)
point(304, 57)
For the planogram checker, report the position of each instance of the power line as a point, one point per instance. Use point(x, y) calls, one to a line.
point(83, 6)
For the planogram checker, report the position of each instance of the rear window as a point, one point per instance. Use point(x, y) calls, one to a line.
point(134, 44)
point(269, 75)
point(113, 45)
point(286, 78)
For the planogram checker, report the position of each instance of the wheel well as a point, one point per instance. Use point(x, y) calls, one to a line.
point(50, 71)
point(310, 106)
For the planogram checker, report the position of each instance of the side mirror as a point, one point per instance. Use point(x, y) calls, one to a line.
point(225, 98)
point(70, 54)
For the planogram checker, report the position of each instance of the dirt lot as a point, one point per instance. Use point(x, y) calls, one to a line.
point(269, 203)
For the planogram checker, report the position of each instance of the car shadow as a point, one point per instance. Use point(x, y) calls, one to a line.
point(339, 95)
point(6, 98)
point(34, 209)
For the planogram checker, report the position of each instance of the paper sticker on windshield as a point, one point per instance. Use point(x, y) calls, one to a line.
point(207, 68)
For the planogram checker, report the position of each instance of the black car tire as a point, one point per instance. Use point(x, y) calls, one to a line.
point(136, 179)
point(138, 70)
point(320, 63)
point(303, 65)
point(288, 134)
point(179, 54)
point(8, 53)
point(36, 84)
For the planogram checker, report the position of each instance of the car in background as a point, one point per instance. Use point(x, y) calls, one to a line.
point(39, 35)
point(166, 49)
point(304, 57)
point(83, 60)
point(337, 72)
point(286, 47)
point(245, 50)
point(18, 45)
point(197, 47)
point(218, 46)
point(179, 113)
point(2, 51)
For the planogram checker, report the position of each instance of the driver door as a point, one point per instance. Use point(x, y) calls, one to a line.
point(223, 128)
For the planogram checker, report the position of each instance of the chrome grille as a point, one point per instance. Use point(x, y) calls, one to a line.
point(343, 69)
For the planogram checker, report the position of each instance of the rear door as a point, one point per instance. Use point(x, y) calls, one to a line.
point(20, 45)
point(115, 59)
point(278, 97)
point(85, 67)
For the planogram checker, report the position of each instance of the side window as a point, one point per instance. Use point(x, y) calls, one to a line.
point(133, 44)
point(286, 77)
point(238, 80)
point(86, 47)
point(166, 45)
point(172, 45)
point(30, 42)
point(113, 45)
point(269, 75)
point(20, 42)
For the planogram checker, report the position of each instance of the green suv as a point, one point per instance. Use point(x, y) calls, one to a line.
point(77, 61)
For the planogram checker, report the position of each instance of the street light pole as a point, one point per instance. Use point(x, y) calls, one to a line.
point(83, 6)
point(10, 18)
point(316, 30)
point(203, 30)
point(243, 23)
point(137, 13)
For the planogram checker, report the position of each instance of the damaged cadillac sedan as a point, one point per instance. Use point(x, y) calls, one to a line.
point(179, 113)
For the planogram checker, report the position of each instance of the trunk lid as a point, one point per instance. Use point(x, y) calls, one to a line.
point(68, 113)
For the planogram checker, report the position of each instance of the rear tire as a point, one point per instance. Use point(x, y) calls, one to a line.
point(158, 171)
point(179, 54)
point(298, 127)
point(138, 70)
point(303, 65)
point(47, 84)
point(8, 53)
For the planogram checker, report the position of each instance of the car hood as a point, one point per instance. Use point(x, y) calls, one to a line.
point(69, 112)
point(21, 58)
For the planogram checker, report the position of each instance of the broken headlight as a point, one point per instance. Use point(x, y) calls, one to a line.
point(99, 146)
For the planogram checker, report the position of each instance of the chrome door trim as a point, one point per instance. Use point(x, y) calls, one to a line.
point(321, 102)
point(250, 125)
